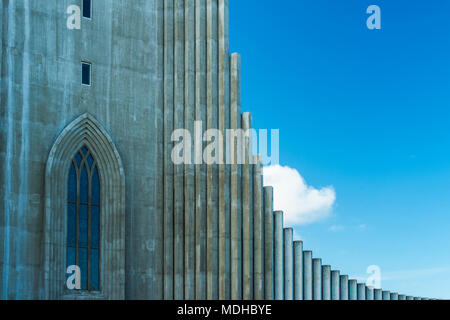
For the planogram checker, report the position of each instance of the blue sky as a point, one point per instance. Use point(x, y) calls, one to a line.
point(366, 112)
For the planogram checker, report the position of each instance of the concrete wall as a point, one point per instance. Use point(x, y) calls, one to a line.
point(191, 231)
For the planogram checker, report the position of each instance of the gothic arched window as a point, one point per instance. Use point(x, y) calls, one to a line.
point(83, 219)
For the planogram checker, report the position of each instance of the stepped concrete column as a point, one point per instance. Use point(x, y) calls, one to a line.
point(278, 253)
point(258, 233)
point(317, 279)
point(335, 285)
point(307, 275)
point(268, 243)
point(298, 270)
point(288, 264)
point(343, 291)
point(361, 291)
point(378, 294)
point(386, 295)
point(369, 293)
point(394, 296)
point(352, 289)
point(326, 282)
point(409, 298)
point(401, 297)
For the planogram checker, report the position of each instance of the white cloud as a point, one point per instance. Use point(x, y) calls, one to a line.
point(301, 204)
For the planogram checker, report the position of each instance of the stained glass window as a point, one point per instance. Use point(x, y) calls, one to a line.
point(83, 219)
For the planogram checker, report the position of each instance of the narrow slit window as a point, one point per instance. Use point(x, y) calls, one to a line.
point(86, 73)
point(87, 9)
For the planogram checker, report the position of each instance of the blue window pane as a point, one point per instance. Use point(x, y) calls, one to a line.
point(84, 186)
point(95, 185)
point(78, 159)
point(87, 9)
point(83, 230)
point(71, 256)
point(82, 263)
point(84, 150)
point(94, 272)
point(72, 187)
point(95, 226)
point(71, 224)
point(90, 160)
point(86, 74)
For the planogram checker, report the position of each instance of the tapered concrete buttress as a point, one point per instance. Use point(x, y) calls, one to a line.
point(288, 264)
point(401, 297)
point(386, 295)
point(168, 164)
point(378, 294)
point(326, 282)
point(189, 172)
point(335, 285)
point(298, 270)
point(352, 289)
point(224, 169)
point(307, 276)
point(394, 296)
point(278, 254)
point(343, 287)
point(258, 233)
point(268, 244)
point(200, 168)
point(246, 221)
point(317, 278)
point(236, 243)
point(178, 184)
point(361, 291)
point(369, 293)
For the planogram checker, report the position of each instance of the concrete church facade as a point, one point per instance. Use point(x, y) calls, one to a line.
point(154, 230)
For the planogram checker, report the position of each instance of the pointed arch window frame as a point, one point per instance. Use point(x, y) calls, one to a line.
point(85, 130)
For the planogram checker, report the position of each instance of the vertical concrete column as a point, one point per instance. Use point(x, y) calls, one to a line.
point(235, 112)
point(224, 170)
point(317, 278)
point(378, 294)
point(288, 264)
point(178, 183)
point(417, 298)
point(352, 290)
point(307, 276)
point(369, 293)
point(212, 191)
point(258, 233)
point(189, 171)
point(268, 243)
point(386, 295)
point(246, 232)
point(326, 282)
point(298, 270)
point(361, 291)
point(409, 298)
point(200, 168)
point(394, 296)
point(278, 254)
point(335, 285)
point(344, 287)
point(401, 297)
point(168, 164)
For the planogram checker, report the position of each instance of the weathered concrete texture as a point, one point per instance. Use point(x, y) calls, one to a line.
point(344, 287)
point(258, 233)
point(288, 264)
point(394, 296)
point(298, 270)
point(278, 256)
point(361, 291)
point(326, 282)
point(335, 285)
point(369, 293)
point(401, 297)
point(307, 276)
point(386, 295)
point(317, 278)
point(378, 294)
point(268, 243)
point(352, 289)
